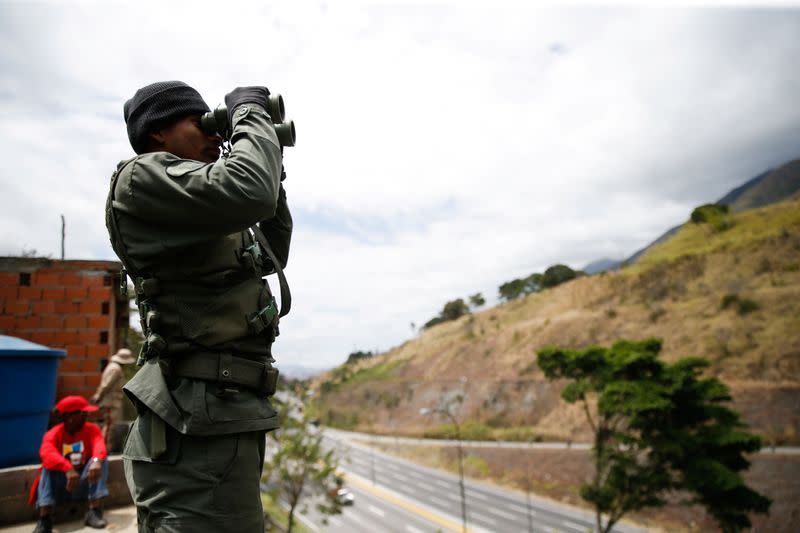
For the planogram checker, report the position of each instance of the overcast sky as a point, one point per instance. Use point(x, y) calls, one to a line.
point(441, 151)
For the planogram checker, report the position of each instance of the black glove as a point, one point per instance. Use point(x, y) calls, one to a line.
point(245, 95)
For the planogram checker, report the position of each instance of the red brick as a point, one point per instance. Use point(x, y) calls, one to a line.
point(69, 280)
point(70, 364)
point(100, 293)
point(76, 350)
point(90, 365)
point(75, 322)
point(54, 294)
point(9, 279)
point(28, 322)
point(8, 293)
point(66, 338)
point(87, 336)
point(76, 293)
point(90, 308)
point(30, 293)
point(44, 337)
point(92, 280)
point(7, 322)
point(18, 307)
point(52, 322)
point(67, 308)
point(99, 322)
point(44, 279)
point(73, 380)
point(92, 380)
point(44, 308)
point(97, 350)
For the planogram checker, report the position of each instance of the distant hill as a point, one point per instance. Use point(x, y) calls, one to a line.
point(602, 265)
point(731, 295)
point(769, 187)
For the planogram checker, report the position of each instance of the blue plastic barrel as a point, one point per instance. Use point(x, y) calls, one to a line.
point(27, 395)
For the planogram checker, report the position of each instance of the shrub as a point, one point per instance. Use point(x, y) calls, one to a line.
point(556, 275)
point(747, 306)
point(728, 300)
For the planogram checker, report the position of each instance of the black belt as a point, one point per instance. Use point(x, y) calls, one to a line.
point(225, 369)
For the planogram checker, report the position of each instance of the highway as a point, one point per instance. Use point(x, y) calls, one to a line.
point(395, 495)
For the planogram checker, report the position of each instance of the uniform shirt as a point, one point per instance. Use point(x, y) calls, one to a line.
point(175, 214)
point(62, 451)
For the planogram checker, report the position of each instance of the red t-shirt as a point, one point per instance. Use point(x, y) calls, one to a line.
point(62, 451)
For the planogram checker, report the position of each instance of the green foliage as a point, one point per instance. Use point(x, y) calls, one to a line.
point(374, 373)
point(747, 306)
point(715, 215)
point(299, 465)
point(728, 300)
point(743, 305)
point(477, 300)
point(475, 466)
point(556, 275)
point(469, 431)
point(709, 213)
point(511, 290)
point(358, 356)
point(452, 310)
point(659, 428)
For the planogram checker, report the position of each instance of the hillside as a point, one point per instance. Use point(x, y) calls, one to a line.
point(732, 296)
point(772, 186)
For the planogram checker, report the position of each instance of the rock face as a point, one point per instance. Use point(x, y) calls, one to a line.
point(731, 296)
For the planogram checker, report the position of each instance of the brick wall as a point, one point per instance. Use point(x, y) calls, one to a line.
point(74, 305)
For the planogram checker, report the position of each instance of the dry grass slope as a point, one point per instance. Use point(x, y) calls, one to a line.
point(732, 296)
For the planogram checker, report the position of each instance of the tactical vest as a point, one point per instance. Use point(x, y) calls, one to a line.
point(202, 301)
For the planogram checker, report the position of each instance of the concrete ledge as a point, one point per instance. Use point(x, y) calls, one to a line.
point(16, 482)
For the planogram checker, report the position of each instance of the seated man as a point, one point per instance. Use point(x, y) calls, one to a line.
point(74, 464)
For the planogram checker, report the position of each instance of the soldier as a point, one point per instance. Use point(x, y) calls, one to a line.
point(197, 233)
point(109, 393)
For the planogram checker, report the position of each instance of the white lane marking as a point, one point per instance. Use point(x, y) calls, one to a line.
point(441, 483)
point(335, 521)
point(520, 508)
point(576, 527)
point(439, 501)
point(418, 475)
point(401, 476)
point(487, 519)
point(478, 495)
point(377, 511)
point(504, 514)
point(412, 529)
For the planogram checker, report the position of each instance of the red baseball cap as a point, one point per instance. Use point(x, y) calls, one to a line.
point(70, 404)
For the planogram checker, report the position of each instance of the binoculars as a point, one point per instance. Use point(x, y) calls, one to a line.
point(216, 122)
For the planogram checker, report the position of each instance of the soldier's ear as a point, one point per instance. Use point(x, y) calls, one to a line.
point(157, 138)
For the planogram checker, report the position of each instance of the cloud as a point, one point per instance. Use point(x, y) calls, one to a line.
point(441, 151)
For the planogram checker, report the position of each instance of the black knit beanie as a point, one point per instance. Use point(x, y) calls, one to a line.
point(155, 104)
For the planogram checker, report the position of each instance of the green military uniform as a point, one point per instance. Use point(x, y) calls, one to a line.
point(182, 228)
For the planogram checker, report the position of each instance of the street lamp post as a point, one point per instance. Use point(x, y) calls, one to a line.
point(449, 415)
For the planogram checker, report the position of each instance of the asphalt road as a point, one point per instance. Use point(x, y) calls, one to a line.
point(394, 495)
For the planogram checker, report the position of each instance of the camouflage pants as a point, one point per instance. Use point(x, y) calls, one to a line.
point(201, 483)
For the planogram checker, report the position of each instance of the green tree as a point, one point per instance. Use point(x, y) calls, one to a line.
point(300, 466)
point(556, 275)
point(658, 429)
point(511, 290)
point(358, 355)
point(477, 300)
point(533, 283)
point(451, 311)
point(454, 309)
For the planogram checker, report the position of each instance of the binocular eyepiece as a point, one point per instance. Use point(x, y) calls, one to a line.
point(216, 122)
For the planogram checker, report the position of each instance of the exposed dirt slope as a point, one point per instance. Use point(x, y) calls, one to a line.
point(675, 292)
